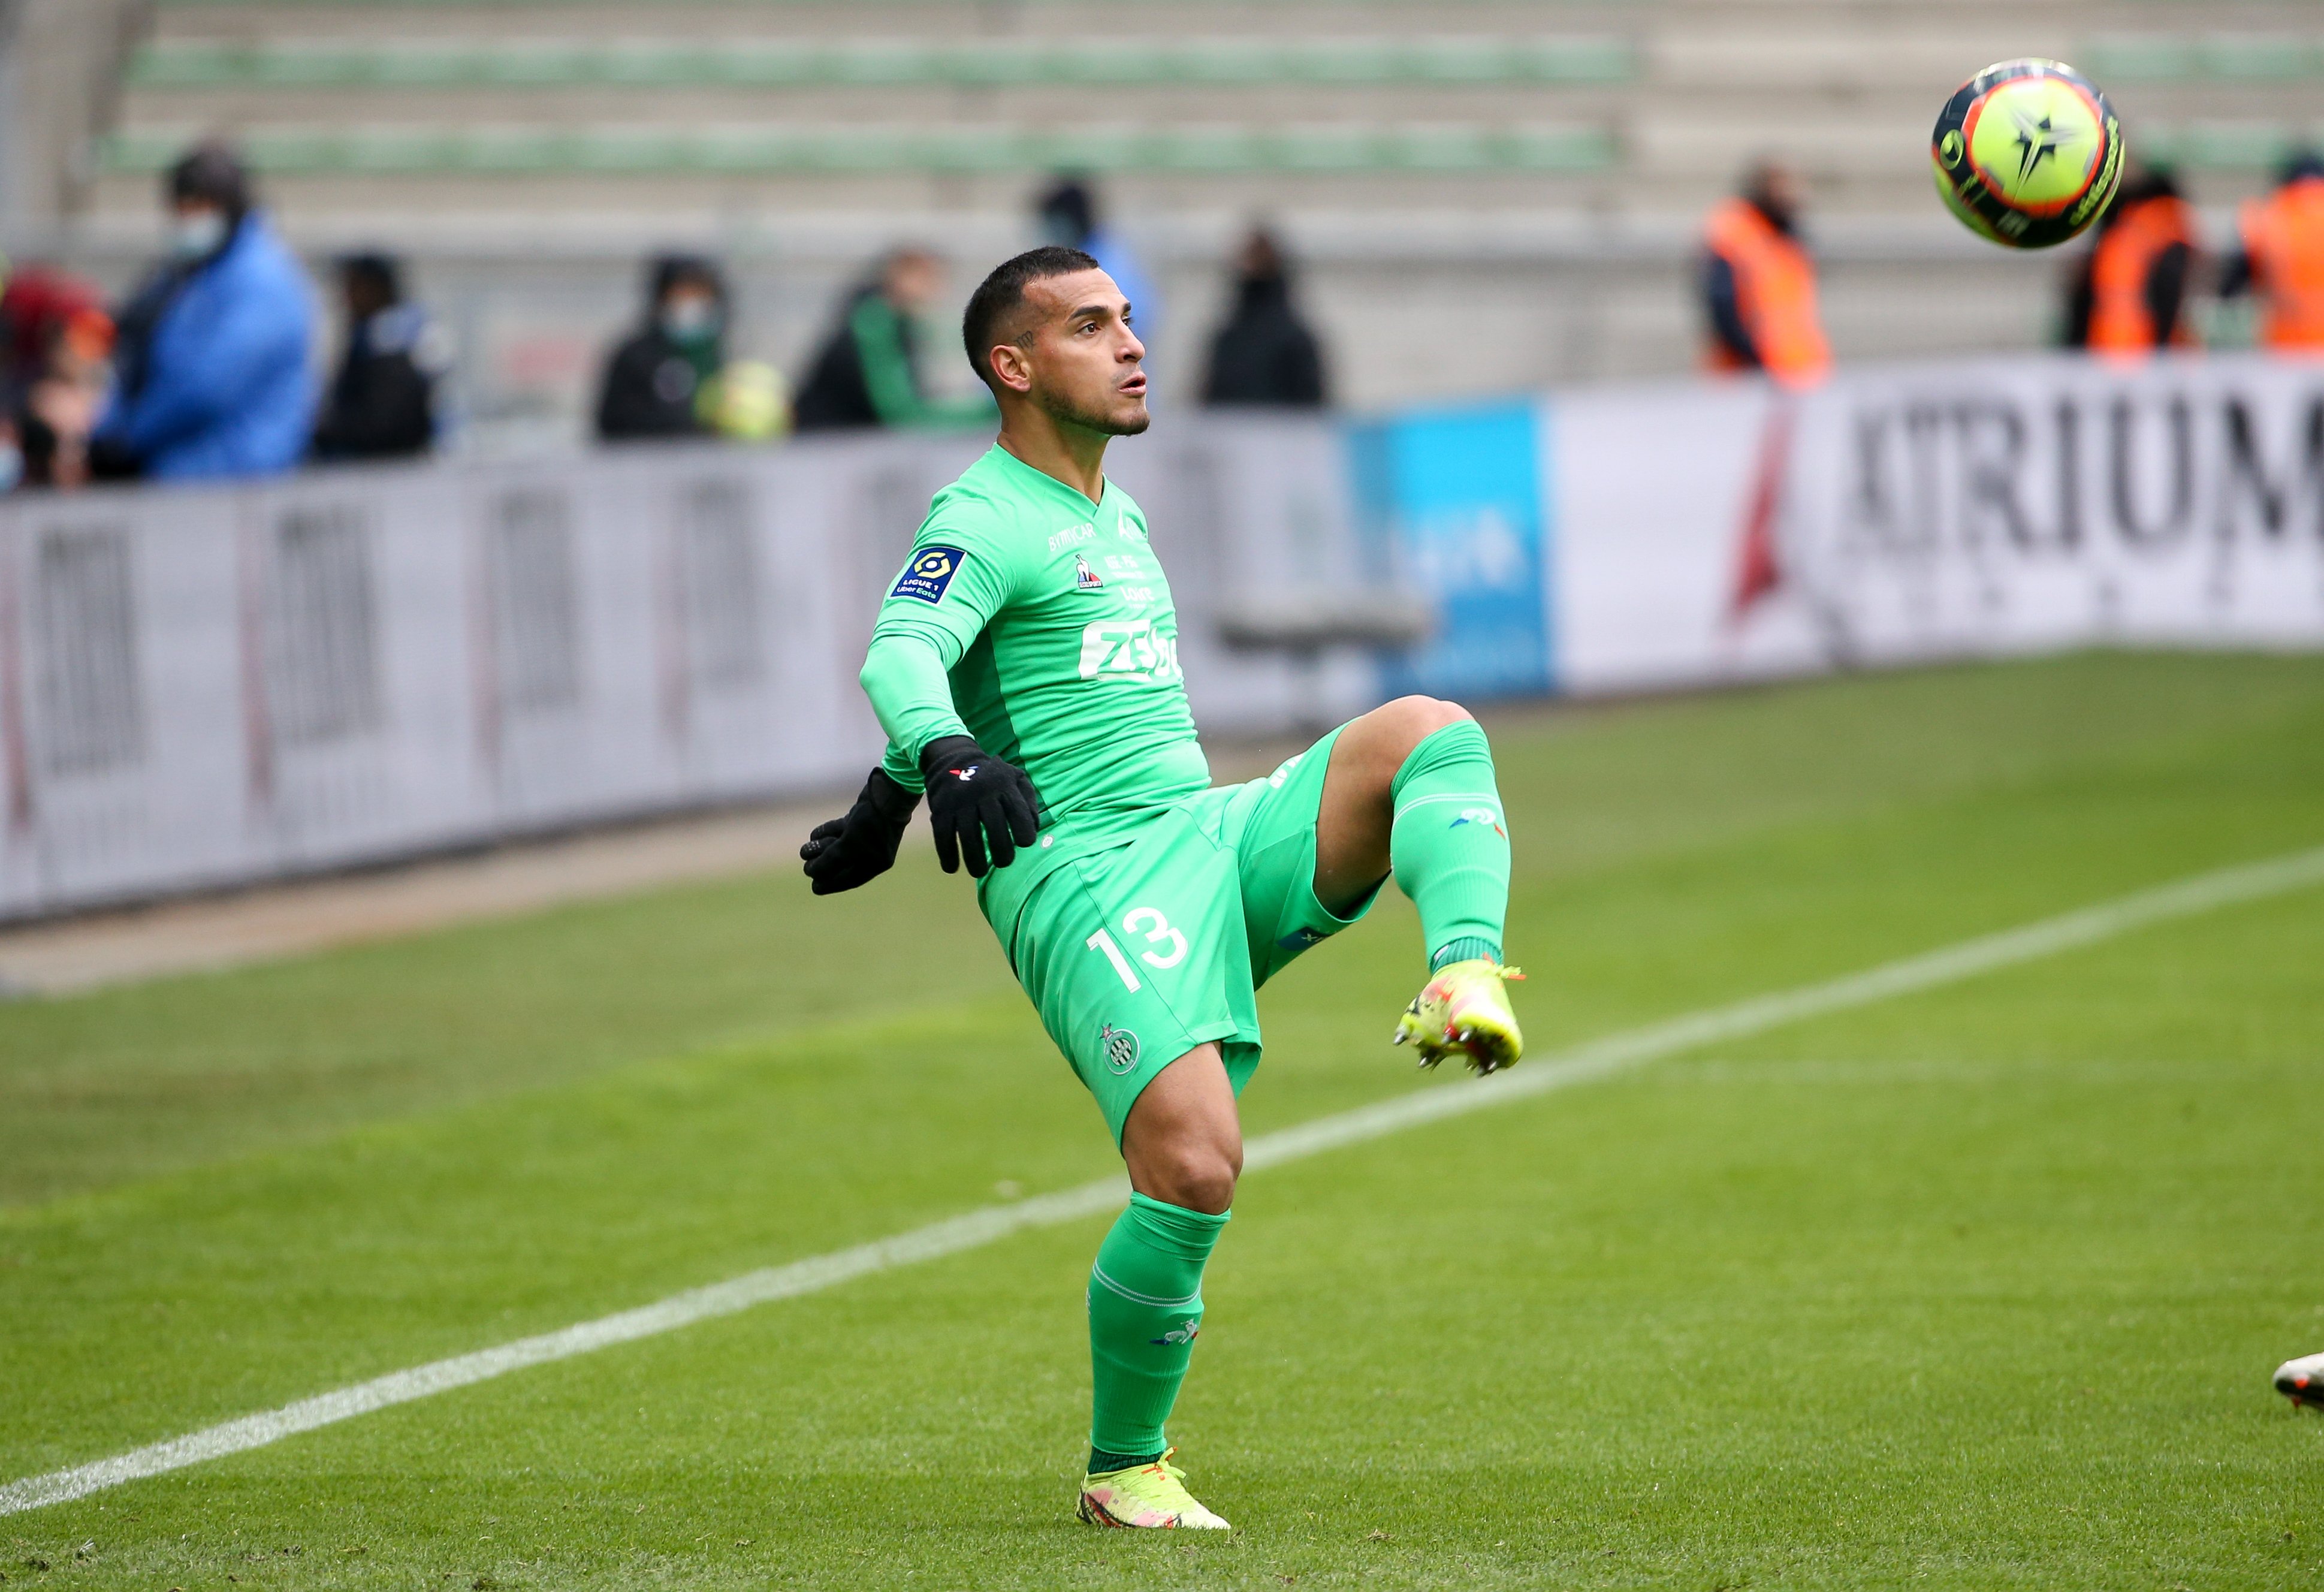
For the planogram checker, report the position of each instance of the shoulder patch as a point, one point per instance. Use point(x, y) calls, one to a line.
point(929, 572)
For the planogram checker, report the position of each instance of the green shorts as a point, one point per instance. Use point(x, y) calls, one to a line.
point(1137, 953)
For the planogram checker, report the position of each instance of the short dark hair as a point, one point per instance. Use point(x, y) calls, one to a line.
point(378, 269)
point(210, 173)
point(999, 295)
point(664, 273)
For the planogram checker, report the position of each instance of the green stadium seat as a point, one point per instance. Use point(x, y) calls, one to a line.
point(1208, 148)
point(2257, 56)
point(2227, 146)
point(647, 64)
point(2166, 57)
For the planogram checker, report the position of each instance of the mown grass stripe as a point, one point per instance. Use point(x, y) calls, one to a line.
point(1949, 964)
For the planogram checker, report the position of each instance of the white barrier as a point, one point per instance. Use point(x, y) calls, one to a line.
point(204, 686)
point(1705, 532)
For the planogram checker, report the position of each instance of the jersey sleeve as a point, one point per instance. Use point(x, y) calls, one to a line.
point(956, 579)
point(905, 678)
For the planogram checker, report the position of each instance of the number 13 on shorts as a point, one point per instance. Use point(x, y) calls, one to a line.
point(1168, 945)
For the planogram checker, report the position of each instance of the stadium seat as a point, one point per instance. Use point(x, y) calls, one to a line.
point(635, 63)
point(940, 147)
point(2165, 58)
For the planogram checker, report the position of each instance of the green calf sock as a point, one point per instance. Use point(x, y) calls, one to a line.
point(1145, 1307)
point(1449, 842)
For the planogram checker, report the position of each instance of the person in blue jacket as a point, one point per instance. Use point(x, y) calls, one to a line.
point(212, 371)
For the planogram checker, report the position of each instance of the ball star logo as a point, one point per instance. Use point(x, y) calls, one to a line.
point(2037, 140)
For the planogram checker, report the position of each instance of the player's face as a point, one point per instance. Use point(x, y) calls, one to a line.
point(1084, 363)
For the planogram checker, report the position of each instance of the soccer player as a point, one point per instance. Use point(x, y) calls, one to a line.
point(1025, 667)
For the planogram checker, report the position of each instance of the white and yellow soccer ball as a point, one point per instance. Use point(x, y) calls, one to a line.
point(748, 400)
point(2028, 152)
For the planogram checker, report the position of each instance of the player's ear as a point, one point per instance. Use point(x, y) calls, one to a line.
point(1012, 366)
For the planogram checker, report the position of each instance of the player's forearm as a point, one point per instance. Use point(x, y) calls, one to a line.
point(905, 678)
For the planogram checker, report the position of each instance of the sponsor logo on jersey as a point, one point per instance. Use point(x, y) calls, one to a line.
point(1299, 939)
point(929, 572)
point(1121, 1047)
point(1085, 577)
point(1085, 532)
point(1128, 649)
point(1185, 1332)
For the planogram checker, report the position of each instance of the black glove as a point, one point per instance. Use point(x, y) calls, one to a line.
point(856, 850)
point(978, 805)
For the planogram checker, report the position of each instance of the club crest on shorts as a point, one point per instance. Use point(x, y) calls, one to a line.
point(1120, 1047)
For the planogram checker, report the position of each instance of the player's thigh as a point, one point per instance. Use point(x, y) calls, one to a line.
point(1135, 957)
point(1272, 824)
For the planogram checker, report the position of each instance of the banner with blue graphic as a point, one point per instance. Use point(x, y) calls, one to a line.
point(1452, 503)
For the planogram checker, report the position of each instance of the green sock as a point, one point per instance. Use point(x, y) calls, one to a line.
point(1449, 842)
point(1145, 1307)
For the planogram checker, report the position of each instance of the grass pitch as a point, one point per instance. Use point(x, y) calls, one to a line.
point(1972, 1288)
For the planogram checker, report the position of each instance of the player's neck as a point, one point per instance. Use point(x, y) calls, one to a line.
point(1074, 455)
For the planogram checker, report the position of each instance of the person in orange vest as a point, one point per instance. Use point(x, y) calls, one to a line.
point(1759, 283)
point(2129, 293)
point(2282, 259)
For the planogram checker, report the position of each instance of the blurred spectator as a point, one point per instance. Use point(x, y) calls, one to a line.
point(1264, 352)
point(868, 370)
point(1759, 281)
point(2128, 294)
point(38, 300)
point(212, 375)
point(61, 407)
point(1069, 215)
point(654, 381)
point(56, 336)
point(382, 405)
point(2282, 261)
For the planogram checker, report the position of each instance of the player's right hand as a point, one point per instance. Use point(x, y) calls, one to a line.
point(856, 850)
point(981, 808)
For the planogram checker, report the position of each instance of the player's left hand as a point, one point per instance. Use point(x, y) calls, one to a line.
point(981, 809)
point(846, 852)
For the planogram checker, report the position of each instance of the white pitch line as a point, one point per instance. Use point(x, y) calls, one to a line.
point(2202, 893)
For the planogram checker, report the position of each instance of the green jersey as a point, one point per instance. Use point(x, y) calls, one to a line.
point(1039, 623)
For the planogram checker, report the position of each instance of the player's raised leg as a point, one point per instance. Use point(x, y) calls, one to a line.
point(1182, 1144)
point(1410, 790)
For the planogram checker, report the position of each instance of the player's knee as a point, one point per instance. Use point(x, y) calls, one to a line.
point(1407, 721)
point(1202, 1177)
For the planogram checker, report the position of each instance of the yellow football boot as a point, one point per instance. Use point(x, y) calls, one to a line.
point(1146, 1495)
point(1464, 1011)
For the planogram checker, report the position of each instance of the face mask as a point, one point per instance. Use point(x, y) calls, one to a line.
point(691, 320)
point(193, 237)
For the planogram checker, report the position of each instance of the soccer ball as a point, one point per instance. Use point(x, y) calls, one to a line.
point(748, 400)
point(2028, 152)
